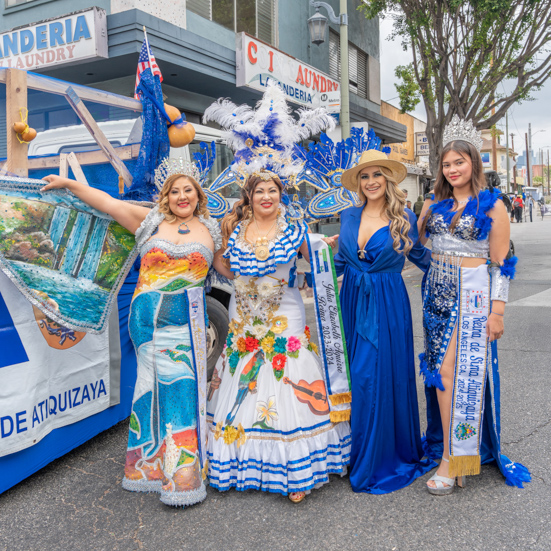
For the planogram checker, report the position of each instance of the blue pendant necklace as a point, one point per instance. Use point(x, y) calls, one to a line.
point(186, 230)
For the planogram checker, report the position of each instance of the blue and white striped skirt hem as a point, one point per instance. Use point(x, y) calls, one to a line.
point(278, 466)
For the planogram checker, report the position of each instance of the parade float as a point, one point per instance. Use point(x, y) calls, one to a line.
point(68, 367)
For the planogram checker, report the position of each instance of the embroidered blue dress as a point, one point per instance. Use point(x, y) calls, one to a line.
point(469, 238)
point(386, 441)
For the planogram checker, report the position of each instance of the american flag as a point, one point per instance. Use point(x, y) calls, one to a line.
point(143, 64)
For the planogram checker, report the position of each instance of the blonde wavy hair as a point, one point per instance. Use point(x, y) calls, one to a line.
point(162, 200)
point(394, 211)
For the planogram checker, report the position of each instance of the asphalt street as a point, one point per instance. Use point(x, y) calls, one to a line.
point(77, 502)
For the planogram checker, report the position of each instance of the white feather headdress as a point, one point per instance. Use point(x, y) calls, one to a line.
point(264, 138)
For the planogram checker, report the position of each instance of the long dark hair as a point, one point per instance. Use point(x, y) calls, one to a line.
point(242, 208)
point(444, 190)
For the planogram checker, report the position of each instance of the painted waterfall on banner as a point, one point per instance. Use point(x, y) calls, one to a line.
point(65, 256)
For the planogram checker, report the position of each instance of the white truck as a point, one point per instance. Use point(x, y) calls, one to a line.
point(124, 132)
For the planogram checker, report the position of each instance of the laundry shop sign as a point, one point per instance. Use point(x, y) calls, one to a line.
point(60, 41)
point(258, 64)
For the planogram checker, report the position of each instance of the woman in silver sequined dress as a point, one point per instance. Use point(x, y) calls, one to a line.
point(464, 299)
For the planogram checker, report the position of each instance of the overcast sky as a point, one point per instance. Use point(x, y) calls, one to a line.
point(537, 112)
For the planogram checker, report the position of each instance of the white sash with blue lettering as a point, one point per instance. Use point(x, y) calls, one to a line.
point(470, 371)
point(196, 312)
point(330, 328)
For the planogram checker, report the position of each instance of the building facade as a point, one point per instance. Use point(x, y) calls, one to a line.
point(194, 43)
point(409, 152)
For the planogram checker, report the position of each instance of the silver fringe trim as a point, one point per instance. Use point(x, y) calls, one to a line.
point(154, 218)
point(444, 270)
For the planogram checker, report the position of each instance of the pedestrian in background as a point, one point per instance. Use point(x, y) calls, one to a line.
point(518, 205)
point(530, 206)
point(418, 206)
point(510, 207)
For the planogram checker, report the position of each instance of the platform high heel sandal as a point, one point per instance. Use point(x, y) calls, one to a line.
point(445, 486)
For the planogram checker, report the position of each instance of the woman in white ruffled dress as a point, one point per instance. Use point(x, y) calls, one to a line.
point(268, 408)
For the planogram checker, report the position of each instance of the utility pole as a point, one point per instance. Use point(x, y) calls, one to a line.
point(494, 146)
point(528, 163)
point(507, 152)
point(345, 95)
point(529, 152)
point(515, 165)
point(548, 192)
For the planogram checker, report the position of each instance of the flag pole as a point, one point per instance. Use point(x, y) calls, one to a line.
point(148, 50)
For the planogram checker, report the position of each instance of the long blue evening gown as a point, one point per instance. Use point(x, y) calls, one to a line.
point(386, 441)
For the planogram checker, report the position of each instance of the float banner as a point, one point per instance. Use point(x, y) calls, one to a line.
point(470, 371)
point(68, 259)
point(50, 375)
point(330, 328)
point(196, 316)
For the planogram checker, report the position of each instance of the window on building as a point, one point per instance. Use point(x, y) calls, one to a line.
point(255, 17)
point(357, 64)
point(223, 13)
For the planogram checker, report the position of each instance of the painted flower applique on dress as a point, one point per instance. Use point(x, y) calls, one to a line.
point(267, 414)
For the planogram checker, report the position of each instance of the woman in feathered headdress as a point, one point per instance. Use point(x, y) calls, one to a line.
point(268, 403)
point(376, 237)
point(177, 240)
point(463, 307)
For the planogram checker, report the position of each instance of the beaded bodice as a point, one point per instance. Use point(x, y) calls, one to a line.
point(463, 240)
point(167, 266)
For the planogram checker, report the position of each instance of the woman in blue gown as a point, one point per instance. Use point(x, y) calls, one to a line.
point(386, 441)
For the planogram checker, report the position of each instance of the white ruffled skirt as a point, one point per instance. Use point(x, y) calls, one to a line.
point(269, 416)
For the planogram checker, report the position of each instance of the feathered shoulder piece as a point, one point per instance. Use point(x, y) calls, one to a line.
point(283, 248)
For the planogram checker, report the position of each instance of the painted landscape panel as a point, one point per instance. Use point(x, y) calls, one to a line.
point(66, 257)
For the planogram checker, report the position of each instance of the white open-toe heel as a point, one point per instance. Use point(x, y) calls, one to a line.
point(445, 486)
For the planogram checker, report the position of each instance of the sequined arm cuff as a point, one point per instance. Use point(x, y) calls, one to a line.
point(499, 286)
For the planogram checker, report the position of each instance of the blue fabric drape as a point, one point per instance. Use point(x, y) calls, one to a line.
point(155, 145)
point(386, 440)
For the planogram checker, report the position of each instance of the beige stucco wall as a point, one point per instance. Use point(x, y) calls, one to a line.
point(403, 152)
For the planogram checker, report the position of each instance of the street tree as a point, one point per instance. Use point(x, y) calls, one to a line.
point(463, 52)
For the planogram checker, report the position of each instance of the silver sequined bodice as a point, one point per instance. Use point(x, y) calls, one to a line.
point(462, 241)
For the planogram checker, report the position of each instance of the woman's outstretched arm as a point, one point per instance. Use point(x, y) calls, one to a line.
point(127, 215)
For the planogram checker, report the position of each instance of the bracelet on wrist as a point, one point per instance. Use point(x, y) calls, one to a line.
point(497, 314)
